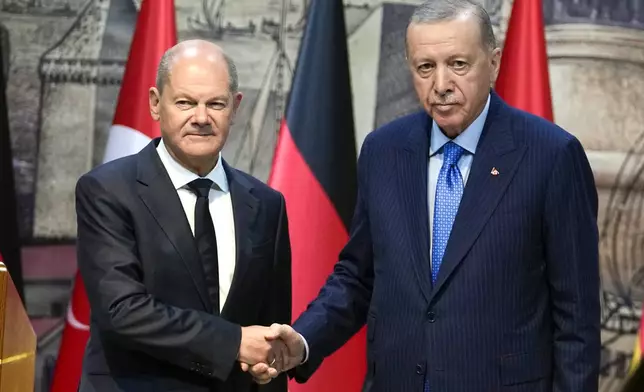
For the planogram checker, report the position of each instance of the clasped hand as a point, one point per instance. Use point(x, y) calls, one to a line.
point(265, 352)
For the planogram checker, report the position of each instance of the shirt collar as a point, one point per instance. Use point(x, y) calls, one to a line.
point(180, 176)
point(468, 139)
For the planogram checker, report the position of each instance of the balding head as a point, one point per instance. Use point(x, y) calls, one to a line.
point(196, 48)
point(198, 104)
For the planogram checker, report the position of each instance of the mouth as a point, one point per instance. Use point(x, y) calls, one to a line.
point(200, 134)
point(443, 107)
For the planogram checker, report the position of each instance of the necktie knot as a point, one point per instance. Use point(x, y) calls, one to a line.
point(201, 186)
point(452, 153)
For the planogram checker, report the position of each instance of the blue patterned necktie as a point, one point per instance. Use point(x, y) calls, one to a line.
point(449, 189)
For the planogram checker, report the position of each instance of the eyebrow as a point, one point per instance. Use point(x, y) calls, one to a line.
point(182, 94)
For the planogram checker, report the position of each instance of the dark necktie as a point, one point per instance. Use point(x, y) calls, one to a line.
point(206, 239)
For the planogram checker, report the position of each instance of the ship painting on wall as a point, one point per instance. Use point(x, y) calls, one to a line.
point(65, 59)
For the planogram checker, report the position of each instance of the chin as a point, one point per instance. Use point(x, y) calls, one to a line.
point(451, 127)
point(201, 150)
point(446, 122)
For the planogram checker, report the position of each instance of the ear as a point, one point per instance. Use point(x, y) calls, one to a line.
point(237, 98)
point(495, 64)
point(154, 98)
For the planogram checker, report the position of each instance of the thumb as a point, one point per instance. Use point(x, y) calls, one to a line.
point(275, 332)
point(244, 366)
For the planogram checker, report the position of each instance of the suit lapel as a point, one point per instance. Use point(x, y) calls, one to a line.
point(245, 208)
point(412, 161)
point(496, 150)
point(160, 197)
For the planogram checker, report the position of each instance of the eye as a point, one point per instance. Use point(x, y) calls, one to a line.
point(183, 104)
point(458, 64)
point(217, 105)
point(425, 67)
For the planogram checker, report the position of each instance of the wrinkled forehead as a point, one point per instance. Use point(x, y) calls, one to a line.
point(198, 67)
point(463, 33)
point(199, 78)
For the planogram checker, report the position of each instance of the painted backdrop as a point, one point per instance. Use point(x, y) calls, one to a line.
point(65, 59)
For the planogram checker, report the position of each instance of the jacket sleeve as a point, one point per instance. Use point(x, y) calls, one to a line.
point(572, 263)
point(121, 307)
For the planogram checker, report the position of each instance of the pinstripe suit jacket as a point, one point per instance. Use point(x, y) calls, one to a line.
point(516, 303)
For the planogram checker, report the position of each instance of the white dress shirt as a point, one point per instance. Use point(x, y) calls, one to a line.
point(221, 210)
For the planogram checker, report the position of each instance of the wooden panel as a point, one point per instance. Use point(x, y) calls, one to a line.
point(17, 340)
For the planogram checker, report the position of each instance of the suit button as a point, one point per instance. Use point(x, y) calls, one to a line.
point(431, 316)
point(420, 369)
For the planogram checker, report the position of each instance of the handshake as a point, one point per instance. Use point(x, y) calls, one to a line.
point(265, 352)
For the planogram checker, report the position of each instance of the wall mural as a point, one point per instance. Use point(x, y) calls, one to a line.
point(65, 59)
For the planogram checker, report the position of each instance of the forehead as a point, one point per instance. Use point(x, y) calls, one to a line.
point(199, 73)
point(462, 35)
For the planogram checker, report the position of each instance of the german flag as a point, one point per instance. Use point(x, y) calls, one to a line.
point(314, 166)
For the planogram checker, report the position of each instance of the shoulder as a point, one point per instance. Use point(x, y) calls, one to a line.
point(396, 134)
point(397, 131)
point(258, 188)
point(538, 132)
point(111, 174)
point(550, 147)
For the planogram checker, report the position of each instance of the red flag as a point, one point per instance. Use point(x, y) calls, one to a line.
point(72, 344)
point(132, 129)
point(523, 78)
point(315, 168)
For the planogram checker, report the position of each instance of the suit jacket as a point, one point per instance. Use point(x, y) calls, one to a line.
point(516, 303)
point(152, 324)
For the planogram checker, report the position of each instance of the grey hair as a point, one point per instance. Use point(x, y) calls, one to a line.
point(165, 66)
point(431, 11)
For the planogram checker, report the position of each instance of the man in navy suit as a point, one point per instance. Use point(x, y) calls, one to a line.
point(473, 255)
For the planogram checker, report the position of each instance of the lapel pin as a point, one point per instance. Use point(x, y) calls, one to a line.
point(494, 172)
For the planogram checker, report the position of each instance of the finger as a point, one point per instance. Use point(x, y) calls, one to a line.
point(259, 368)
point(281, 355)
point(272, 372)
point(261, 373)
point(274, 332)
point(282, 352)
point(262, 381)
point(244, 366)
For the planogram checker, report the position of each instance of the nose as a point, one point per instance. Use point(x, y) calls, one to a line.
point(201, 115)
point(442, 82)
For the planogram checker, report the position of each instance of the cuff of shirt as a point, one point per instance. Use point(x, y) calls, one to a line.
point(306, 350)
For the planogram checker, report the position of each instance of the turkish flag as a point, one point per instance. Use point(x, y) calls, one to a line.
point(523, 80)
point(133, 128)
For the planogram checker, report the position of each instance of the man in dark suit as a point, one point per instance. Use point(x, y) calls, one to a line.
point(473, 255)
point(181, 254)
